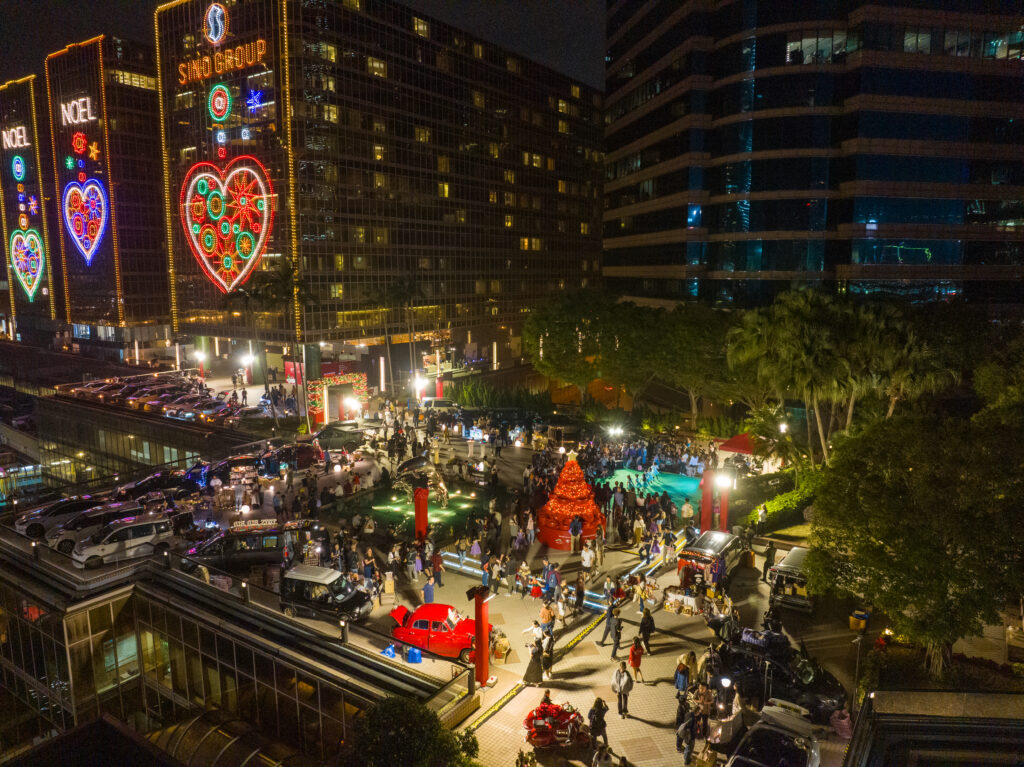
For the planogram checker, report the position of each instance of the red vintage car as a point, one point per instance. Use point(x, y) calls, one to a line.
point(438, 628)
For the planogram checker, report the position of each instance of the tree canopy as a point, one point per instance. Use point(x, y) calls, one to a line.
point(402, 731)
point(924, 519)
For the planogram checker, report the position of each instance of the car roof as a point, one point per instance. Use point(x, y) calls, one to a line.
point(137, 519)
point(713, 541)
point(431, 611)
point(794, 559)
point(313, 574)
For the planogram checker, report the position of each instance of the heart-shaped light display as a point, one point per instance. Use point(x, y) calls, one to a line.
point(228, 214)
point(28, 260)
point(85, 211)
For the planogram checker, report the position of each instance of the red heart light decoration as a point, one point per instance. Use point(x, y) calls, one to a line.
point(228, 214)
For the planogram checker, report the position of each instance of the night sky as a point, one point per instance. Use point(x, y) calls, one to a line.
point(567, 35)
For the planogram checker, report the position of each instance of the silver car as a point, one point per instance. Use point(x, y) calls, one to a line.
point(782, 736)
point(36, 522)
point(64, 537)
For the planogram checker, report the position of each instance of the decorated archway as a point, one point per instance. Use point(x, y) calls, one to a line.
point(317, 390)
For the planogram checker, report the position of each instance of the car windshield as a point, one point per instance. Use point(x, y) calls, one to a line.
point(341, 588)
point(768, 746)
point(804, 669)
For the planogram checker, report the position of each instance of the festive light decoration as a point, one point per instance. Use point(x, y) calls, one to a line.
point(85, 210)
point(215, 23)
point(69, 162)
point(315, 389)
point(94, 151)
point(18, 168)
point(79, 142)
point(571, 496)
point(227, 214)
point(33, 205)
point(254, 101)
point(28, 261)
point(219, 103)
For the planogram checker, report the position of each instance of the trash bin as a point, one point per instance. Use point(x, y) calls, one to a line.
point(413, 656)
point(859, 620)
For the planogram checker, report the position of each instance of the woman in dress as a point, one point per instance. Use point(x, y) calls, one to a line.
point(636, 652)
point(534, 673)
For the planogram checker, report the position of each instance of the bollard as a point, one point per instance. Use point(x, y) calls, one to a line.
point(245, 592)
point(36, 550)
point(343, 624)
point(167, 560)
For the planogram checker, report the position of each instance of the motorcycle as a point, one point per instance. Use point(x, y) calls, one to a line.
point(551, 724)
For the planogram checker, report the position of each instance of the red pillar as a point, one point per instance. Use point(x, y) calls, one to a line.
point(707, 499)
point(439, 388)
point(419, 500)
point(723, 509)
point(483, 645)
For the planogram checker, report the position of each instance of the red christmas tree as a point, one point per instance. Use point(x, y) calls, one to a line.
point(571, 496)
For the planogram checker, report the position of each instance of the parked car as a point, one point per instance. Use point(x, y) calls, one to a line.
point(711, 545)
point(202, 472)
point(341, 435)
point(308, 590)
point(97, 394)
point(128, 538)
point(63, 537)
point(90, 386)
point(36, 522)
point(439, 405)
point(247, 415)
point(159, 398)
point(438, 628)
point(299, 456)
point(238, 549)
point(183, 401)
point(169, 480)
point(788, 582)
point(121, 396)
point(782, 735)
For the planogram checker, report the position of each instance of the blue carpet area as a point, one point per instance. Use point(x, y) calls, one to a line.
point(678, 486)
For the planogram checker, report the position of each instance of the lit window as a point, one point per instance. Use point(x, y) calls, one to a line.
point(360, 262)
point(339, 262)
point(495, 153)
point(508, 220)
point(442, 188)
point(535, 243)
point(359, 234)
point(584, 227)
point(379, 126)
point(495, 286)
point(380, 181)
point(563, 126)
point(420, 27)
point(331, 113)
point(376, 67)
point(510, 176)
point(337, 290)
point(478, 50)
point(512, 64)
point(443, 165)
point(478, 99)
point(561, 186)
point(551, 163)
point(510, 199)
point(563, 106)
point(380, 236)
point(422, 135)
point(492, 196)
point(575, 91)
point(328, 52)
point(537, 161)
point(460, 215)
point(378, 151)
point(524, 243)
point(355, 5)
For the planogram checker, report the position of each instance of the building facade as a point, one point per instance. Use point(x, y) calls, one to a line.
point(757, 146)
point(24, 214)
point(426, 182)
point(106, 170)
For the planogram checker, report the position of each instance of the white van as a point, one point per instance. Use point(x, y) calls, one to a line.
point(126, 539)
point(439, 405)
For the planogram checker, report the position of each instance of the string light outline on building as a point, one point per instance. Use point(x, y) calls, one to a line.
point(215, 23)
point(28, 260)
point(85, 210)
point(227, 214)
point(219, 103)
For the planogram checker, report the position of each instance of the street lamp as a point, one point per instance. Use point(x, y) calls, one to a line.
point(200, 358)
point(247, 361)
point(783, 427)
point(723, 481)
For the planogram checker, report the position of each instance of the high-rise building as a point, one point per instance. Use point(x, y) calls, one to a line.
point(415, 180)
point(106, 172)
point(757, 146)
point(24, 215)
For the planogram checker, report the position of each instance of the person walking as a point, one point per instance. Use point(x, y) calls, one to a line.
point(646, 629)
point(427, 592)
point(686, 730)
point(616, 634)
point(610, 618)
point(598, 726)
point(534, 674)
point(575, 531)
point(579, 596)
point(769, 561)
point(547, 658)
point(437, 567)
point(636, 654)
point(587, 561)
point(622, 685)
point(547, 618)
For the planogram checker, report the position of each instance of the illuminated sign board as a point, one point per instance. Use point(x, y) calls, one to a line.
point(77, 112)
point(243, 56)
point(15, 138)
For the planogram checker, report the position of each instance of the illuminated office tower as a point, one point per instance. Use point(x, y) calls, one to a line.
point(24, 214)
point(427, 182)
point(107, 191)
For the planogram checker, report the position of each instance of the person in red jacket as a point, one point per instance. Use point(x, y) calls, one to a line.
point(636, 652)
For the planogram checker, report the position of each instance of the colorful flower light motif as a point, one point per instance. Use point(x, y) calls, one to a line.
point(33, 205)
point(28, 260)
point(79, 142)
point(315, 389)
point(228, 214)
point(219, 103)
point(18, 168)
point(85, 211)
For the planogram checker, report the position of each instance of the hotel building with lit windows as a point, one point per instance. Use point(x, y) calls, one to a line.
point(757, 145)
point(25, 217)
point(416, 180)
point(105, 173)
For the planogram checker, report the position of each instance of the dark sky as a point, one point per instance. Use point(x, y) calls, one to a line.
point(567, 35)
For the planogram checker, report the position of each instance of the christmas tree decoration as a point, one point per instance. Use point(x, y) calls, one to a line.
point(572, 496)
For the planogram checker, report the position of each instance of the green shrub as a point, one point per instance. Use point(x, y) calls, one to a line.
point(719, 426)
point(751, 492)
point(474, 393)
point(787, 509)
